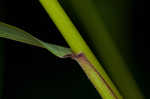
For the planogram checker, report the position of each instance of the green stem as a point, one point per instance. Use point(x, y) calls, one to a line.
point(106, 27)
point(89, 63)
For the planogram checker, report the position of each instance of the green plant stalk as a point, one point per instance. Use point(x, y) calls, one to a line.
point(94, 19)
point(103, 84)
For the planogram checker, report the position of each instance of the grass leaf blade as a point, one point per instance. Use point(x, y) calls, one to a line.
point(17, 34)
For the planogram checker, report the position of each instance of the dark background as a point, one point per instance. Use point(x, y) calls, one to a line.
point(34, 73)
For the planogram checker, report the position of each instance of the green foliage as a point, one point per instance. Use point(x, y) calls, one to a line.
point(14, 33)
point(105, 23)
point(96, 24)
point(101, 82)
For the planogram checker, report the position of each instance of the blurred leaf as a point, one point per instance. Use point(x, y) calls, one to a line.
point(106, 25)
point(14, 33)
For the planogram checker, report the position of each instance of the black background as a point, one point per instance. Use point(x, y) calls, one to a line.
point(34, 73)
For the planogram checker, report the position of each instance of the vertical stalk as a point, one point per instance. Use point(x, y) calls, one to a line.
point(85, 57)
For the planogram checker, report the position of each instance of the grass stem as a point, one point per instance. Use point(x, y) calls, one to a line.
point(88, 61)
